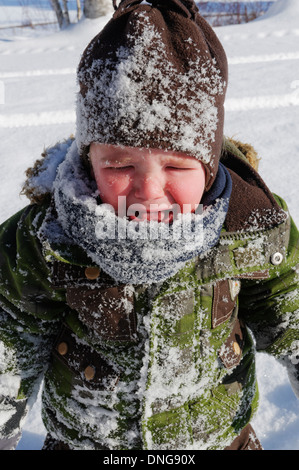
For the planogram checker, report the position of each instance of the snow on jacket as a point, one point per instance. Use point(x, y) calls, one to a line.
point(162, 366)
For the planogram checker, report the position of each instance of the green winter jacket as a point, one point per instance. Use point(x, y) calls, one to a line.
point(166, 366)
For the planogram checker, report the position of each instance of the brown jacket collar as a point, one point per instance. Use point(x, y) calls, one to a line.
point(252, 205)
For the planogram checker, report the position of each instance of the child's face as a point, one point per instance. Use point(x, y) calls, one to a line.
point(152, 180)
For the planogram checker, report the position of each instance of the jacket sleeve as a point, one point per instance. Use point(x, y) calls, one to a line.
point(29, 318)
point(270, 308)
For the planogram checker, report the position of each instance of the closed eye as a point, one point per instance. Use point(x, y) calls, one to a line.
point(178, 168)
point(119, 168)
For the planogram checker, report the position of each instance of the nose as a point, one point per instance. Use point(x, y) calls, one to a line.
point(149, 186)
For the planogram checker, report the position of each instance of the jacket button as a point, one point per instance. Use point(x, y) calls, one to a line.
point(92, 272)
point(276, 258)
point(236, 348)
point(89, 372)
point(62, 348)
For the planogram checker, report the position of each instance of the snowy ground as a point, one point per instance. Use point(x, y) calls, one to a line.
point(37, 97)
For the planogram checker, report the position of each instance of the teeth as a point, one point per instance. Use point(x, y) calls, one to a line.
point(159, 216)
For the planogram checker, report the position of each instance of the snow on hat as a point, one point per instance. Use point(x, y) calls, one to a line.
point(154, 77)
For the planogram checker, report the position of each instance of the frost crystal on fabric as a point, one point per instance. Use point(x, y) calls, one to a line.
point(142, 98)
point(43, 174)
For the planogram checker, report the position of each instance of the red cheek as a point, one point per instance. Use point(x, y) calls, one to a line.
point(111, 187)
point(186, 191)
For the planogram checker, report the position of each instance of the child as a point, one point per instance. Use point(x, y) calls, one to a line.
point(152, 260)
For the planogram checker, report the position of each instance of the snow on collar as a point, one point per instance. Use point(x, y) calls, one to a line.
point(41, 177)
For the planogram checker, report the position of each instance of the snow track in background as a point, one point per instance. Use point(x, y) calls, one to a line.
point(263, 58)
point(37, 50)
point(37, 119)
point(245, 36)
point(263, 102)
point(37, 73)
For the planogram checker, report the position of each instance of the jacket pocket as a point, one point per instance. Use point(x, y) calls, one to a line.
point(224, 300)
point(230, 352)
point(107, 311)
point(224, 308)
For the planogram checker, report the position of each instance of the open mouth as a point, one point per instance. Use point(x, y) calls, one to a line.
point(165, 216)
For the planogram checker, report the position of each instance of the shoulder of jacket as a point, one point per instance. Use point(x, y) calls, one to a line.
point(244, 151)
point(252, 205)
point(40, 177)
point(25, 222)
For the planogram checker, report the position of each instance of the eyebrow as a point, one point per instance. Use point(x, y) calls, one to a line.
point(123, 155)
point(116, 156)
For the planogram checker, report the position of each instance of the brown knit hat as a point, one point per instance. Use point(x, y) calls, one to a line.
point(154, 77)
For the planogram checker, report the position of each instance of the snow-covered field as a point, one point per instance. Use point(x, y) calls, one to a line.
point(37, 108)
